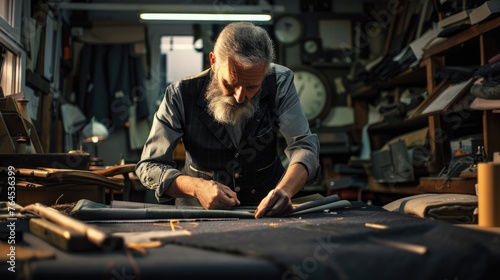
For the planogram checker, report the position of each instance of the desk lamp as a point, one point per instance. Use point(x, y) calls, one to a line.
point(94, 132)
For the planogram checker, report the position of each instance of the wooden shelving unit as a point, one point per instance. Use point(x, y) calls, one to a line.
point(485, 38)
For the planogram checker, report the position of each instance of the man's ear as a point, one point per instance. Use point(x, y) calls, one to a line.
point(211, 56)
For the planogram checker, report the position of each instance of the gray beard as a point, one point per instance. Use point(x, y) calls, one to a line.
point(225, 109)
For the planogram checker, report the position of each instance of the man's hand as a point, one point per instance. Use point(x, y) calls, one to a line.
point(214, 195)
point(275, 203)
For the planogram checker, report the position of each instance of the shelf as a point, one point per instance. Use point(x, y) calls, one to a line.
point(427, 185)
point(393, 188)
point(399, 127)
point(330, 64)
point(37, 82)
point(364, 92)
point(444, 185)
point(473, 31)
point(471, 47)
point(408, 78)
point(411, 77)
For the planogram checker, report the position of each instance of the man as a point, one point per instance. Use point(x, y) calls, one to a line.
point(229, 117)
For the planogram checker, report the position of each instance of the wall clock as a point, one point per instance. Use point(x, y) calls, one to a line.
point(314, 93)
point(288, 29)
point(311, 50)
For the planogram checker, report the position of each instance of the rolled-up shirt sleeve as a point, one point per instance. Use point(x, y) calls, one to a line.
point(156, 169)
point(302, 145)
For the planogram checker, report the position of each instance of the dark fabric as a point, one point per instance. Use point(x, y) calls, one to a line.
point(98, 102)
point(139, 92)
point(391, 65)
point(453, 30)
point(89, 210)
point(118, 83)
point(341, 246)
point(456, 74)
point(488, 69)
point(333, 245)
point(486, 92)
point(211, 155)
point(110, 79)
point(84, 76)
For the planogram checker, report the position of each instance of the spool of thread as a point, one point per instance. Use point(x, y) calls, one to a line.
point(22, 105)
point(21, 145)
point(488, 194)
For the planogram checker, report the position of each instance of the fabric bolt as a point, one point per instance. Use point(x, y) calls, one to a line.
point(488, 69)
point(88, 210)
point(110, 81)
point(455, 208)
point(486, 92)
point(456, 74)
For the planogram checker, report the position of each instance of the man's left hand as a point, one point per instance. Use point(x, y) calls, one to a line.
point(275, 203)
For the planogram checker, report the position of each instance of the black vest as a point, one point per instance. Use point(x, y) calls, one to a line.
point(253, 168)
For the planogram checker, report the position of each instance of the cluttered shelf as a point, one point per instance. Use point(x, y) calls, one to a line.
point(399, 126)
point(448, 185)
point(462, 37)
point(417, 75)
point(404, 189)
point(409, 77)
point(427, 185)
point(388, 84)
point(365, 91)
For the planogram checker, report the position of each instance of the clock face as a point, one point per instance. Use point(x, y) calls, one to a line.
point(311, 46)
point(311, 50)
point(288, 29)
point(313, 94)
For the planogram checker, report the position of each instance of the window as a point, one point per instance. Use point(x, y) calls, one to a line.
point(11, 54)
point(7, 71)
point(10, 17)
point(5, 10)
point(181, 58)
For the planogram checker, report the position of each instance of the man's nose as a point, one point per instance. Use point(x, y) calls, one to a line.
point(239, 94)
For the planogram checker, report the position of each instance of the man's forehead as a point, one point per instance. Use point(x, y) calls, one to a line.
point(247, 73)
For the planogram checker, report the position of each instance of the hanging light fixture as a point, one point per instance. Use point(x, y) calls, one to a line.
point(261, 11)
point(204, 17)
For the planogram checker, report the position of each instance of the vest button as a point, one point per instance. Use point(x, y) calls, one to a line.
point(237, 175)
point(252, 191)
point(237, 189)
point(236, 155)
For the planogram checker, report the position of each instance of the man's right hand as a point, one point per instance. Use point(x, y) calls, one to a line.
point(214, 195)
point(211, 194)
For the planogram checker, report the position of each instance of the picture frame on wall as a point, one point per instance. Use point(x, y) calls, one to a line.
point(335, 33)
point(447, 97)
point(444, 97)
point(337, 39)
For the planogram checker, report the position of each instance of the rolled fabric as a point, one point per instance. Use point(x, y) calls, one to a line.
point(488, 188)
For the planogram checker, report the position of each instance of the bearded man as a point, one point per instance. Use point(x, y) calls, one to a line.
point(229, 118)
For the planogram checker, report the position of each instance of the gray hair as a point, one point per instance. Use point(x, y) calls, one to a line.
point(245, 42)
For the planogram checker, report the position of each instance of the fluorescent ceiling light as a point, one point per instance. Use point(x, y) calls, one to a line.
point(205, 17)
